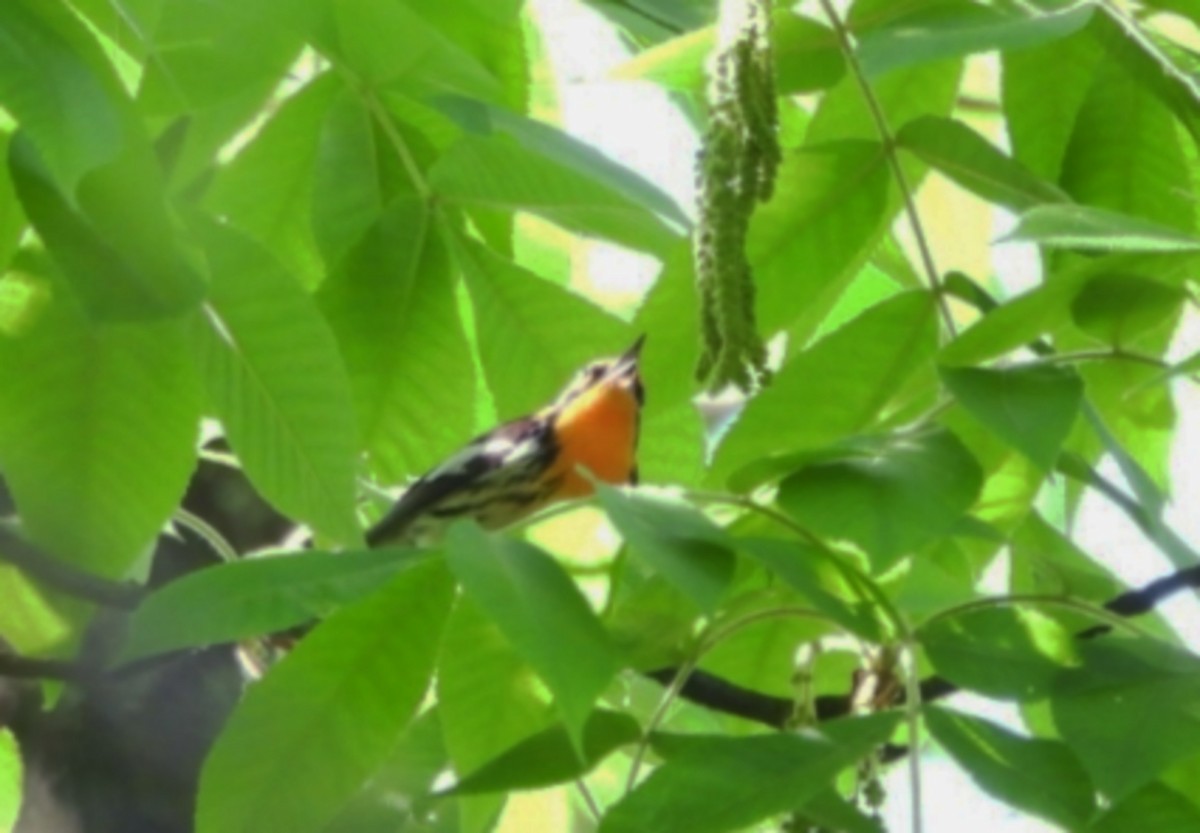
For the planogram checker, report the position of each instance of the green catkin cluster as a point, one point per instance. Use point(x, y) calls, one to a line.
point(735, 170)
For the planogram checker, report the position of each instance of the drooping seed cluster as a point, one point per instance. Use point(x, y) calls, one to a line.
point(735, 170)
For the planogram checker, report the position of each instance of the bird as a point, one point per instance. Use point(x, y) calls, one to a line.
point(524, 465)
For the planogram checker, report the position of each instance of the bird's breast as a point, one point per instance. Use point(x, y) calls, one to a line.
point(598, 433)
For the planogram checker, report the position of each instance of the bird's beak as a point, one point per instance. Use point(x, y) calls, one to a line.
point(630, 357)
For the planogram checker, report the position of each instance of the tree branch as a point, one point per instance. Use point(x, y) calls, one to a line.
point(18, 667)
point(713, 692)
point(889, 148)
point(64, 577)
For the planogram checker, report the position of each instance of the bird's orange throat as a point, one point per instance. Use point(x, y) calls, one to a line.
point(597, 431)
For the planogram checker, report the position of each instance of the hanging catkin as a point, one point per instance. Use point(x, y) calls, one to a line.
point(735, 170)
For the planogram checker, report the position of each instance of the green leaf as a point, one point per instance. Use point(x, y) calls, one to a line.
point(113, 244)
point(1125, 153)
point(1129, 711)
point(831, 585)
point(52, 89)
point(490, 700)
point(1159, 66)
point(267, 190)
point(853, 373)
point(1032, 408)
point(1041, 777)
point(652, 621)
point(98, 425)
point(497, 173)
point(208, 73)
point(1096, 229)
point(550, 758)
point(532, 335)
point(1119, 309)
point(675, 539)
point(1153, 807)
point(497, 35)
point(28, 622)
point(655, 20)
point(11, 774)
point(355, 178)
point(890, 503)
point(304, 739)
point(541, 612)
point(807, 57)
point(412, 768)
point(1147, 509)
point(1040, 117)
point(903, 95)
point(961, 29)
point(1046, 561)
point(218, 54)
point(1011, 653)
point(385, 42)
point(974, 163)
point(671, 448)
point(712, 784)
point(1134, 424)
point(278, 385)
point(560, 148)
point(12, 217)
point(392, 306)
point(23, 298)
point(256, 596)
point(829, 809)
point(1047, 308)
point(761, 656)
point(829, 207)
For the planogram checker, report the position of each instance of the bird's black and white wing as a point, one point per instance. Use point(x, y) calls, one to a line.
point(494, 478)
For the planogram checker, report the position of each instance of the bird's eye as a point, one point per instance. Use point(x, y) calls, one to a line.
point(595, 372)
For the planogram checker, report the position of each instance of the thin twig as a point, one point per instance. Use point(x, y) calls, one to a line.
point(1150, 524)
point(1104, 614)
point(398, 144)
point(589, 799)
point(18, 667)
point(721, 695)
point(912, 713)
point(660, 713)
point(889, 149)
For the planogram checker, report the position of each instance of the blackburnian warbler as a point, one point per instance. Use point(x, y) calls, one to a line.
point(529, 463)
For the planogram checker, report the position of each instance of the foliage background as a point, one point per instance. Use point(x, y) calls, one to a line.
point(344, 237)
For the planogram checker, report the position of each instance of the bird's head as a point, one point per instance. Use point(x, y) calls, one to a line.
point(596, 422)
point(614, 379)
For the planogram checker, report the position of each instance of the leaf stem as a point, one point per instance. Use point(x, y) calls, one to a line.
point(1116, 354)
point(889, 149)
point(1149, 522)
point(744, 502)
point(660, 712)
point(398, 144)
point(706, 643)
point(589, 800)
point(1037, 599)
